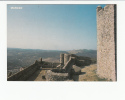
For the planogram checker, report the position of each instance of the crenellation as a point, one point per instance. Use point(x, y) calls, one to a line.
point(99, 8)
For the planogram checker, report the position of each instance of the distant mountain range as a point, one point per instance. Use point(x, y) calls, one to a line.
point(84, 52)
point(17, 58)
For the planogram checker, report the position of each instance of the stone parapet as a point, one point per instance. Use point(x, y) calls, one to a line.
point(55, 76)
point(24, 74)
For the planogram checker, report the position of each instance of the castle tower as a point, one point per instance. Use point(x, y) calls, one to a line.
point(106, 42)
point(62, 59)
point(98, 8)
point(66, 58)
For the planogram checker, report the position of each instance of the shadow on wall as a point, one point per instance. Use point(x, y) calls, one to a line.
point(34, 76)
point(25, 74)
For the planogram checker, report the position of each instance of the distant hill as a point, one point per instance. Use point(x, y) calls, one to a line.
point(17, 58)
point(84, 52)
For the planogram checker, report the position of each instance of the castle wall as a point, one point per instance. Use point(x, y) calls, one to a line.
point(106, 42)
point(68, 65)
point(66, 58)
point(49, 65)
point(80, 62)
point(52, 76)
point(24, 74)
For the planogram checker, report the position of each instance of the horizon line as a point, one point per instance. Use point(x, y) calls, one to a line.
point(49, 49)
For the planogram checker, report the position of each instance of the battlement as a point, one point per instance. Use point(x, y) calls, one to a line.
point(99, 8)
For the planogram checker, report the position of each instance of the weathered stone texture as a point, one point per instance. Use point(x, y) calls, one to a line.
point(66, 58)
point(76, 70)
point(24, 74)
point(53, 76)
point(106, 34)
point(69, 64)
point(62, 59)
point(61, 74)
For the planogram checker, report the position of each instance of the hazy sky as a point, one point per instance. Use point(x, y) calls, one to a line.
point(52, 27)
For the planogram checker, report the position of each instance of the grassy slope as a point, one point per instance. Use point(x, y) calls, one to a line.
point(88, 74)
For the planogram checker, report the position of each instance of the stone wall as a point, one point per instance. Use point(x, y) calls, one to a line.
point(49, 65)
point(61, 74)
point(24, 74)
point(79, 60)
point(83, 62)
point(66, 58)
point(69, 64)
point(106, 42)
point(55, 76)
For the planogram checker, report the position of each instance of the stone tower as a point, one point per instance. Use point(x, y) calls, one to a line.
point(106, 42)
point(62, 59)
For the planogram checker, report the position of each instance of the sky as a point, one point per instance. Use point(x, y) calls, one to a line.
point(52, 27)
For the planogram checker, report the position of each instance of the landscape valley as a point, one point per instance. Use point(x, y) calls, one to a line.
point(17, 58)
